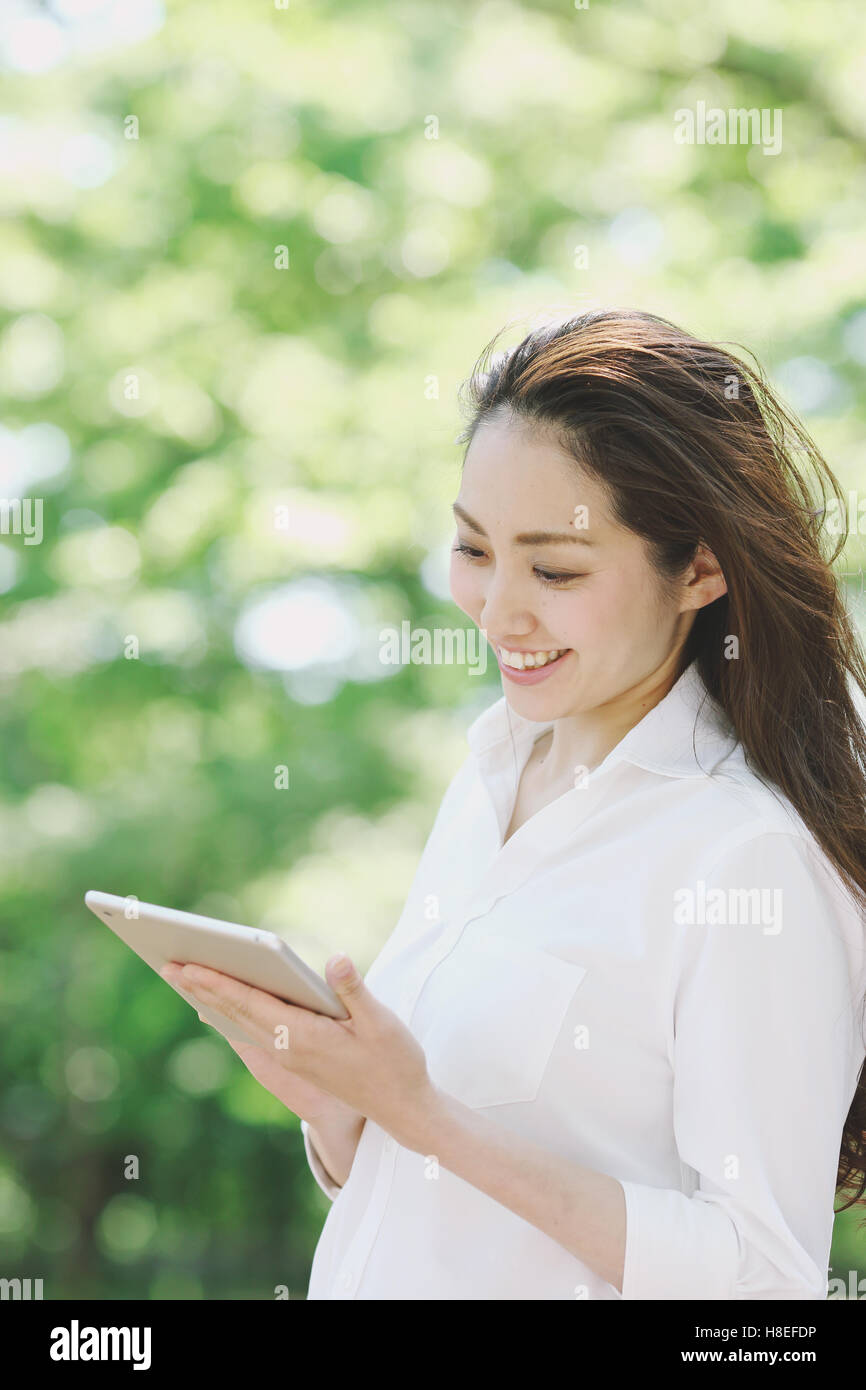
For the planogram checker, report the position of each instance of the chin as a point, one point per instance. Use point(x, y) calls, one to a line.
point(532, 704)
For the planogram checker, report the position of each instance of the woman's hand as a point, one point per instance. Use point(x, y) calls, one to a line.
point(369, 1062)
point(308, 1102)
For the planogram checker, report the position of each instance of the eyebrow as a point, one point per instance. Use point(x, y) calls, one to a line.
point(527, 537)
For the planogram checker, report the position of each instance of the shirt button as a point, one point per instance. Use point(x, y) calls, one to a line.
point(390, 1145)
point(346, 1279)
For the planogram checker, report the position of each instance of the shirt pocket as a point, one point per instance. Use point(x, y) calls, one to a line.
point(498, 1010)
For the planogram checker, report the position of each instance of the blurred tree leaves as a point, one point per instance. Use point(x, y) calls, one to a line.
point(425, 173)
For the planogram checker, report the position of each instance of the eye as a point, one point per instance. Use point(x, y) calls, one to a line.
point(460, 549)
point(549, 577)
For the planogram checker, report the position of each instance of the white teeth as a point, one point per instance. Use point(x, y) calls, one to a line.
point(527, 660)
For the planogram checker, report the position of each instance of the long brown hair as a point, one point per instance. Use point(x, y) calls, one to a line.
point(692, 445)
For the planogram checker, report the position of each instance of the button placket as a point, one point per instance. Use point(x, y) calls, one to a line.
point(442, 947)
point(539, 838)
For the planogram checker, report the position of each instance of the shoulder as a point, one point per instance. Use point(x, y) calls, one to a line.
point(764, 858)
point(739, 829)
point(741, 806)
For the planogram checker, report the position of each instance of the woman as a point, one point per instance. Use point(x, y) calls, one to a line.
point(613, 1044)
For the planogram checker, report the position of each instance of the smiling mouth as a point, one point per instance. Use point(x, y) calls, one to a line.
point(530, 661)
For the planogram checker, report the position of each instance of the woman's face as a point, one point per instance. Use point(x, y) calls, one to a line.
point(605, 612)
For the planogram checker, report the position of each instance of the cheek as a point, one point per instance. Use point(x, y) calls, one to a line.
point(613, 610)
point(584, 619)
point(567, 618)
point(465, 588)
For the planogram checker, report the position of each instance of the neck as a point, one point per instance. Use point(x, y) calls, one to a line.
point(584, 740)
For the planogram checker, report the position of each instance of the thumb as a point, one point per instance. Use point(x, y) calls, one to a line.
point(346, 981)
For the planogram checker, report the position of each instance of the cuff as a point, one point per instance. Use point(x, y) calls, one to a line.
point(317, 1168)
point(677, 1246)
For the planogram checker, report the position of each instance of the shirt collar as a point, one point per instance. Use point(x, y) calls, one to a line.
point(684, 735)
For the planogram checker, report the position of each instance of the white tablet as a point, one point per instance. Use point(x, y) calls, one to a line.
point(260, 958)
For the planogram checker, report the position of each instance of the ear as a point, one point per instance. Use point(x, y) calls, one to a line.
point(705, 581)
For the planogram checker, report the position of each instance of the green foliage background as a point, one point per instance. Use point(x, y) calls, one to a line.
point(430, 170)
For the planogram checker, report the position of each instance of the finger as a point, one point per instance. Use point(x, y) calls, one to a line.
point(347, 982)
point(244, 1049)
point(259, 1013)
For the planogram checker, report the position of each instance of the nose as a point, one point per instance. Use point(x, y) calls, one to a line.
point(502, 611)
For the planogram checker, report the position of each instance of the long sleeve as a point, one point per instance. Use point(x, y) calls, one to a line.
point(767, 1049)
point(317, 1168)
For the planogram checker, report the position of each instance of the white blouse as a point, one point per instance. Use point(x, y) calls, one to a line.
point(659, 975)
